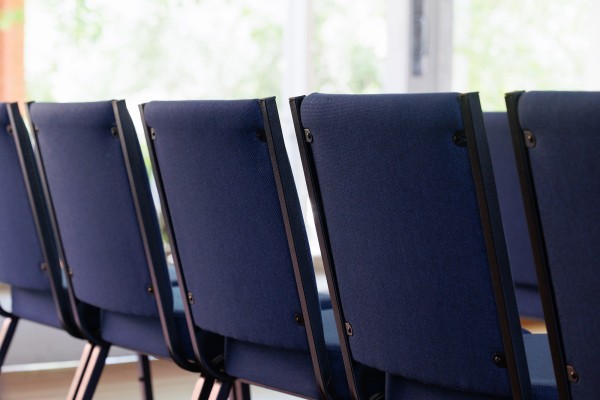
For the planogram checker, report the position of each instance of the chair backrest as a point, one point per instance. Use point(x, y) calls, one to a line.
point(412, 255)
point(89, 153)
point(221, 202)
point(29, 255)
point(557, 147)
point(513, 213)
point(21, 254)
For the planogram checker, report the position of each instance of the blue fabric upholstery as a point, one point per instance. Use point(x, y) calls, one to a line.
point(35, 305)
point(227, 220)
point(513, 214)
point(21, 255)
point(406, 237)
point(230, 237)
point(93, 203)
point(565, 169)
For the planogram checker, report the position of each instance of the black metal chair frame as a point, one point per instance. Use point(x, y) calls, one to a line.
point(476, 142)
point(317, 349)
point(563, 372)
point(94, 356)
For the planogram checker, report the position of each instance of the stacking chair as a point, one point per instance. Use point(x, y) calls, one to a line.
point(239, 244)
point(108, 238)
point(513, 215)
point(556, 138)
point(410, 232)
point(27, 264)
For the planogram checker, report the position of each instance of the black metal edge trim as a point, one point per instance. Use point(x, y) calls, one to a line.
point(538, 245)
point(314, 193)
point(493, 232)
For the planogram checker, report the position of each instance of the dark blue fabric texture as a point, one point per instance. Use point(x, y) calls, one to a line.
point(406, 237)
point(565, 169)
point(289, 370)
point(93, 203)
point(227, 220)
point(513, 214)
point(20, 251)
point(35, 305)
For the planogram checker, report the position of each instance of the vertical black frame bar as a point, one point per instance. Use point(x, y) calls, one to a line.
point(314, 194)
point(152, 246)
point(78, 317)
point(538, 245)
point(32, 180)
point(285, 187)
point(196, 335)
point(493, 232)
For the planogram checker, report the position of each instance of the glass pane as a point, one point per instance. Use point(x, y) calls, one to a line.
point(503, 46)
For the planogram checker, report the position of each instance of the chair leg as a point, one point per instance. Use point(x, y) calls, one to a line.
point(93, 372)
point(241, 390)
point(224, 390)
point(83, 363)
point(145, 376)
point(6, 334)
point(203, 388)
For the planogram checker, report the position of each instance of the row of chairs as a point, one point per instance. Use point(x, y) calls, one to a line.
point(410, 226)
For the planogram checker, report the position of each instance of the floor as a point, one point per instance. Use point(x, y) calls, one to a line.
point(118, 381)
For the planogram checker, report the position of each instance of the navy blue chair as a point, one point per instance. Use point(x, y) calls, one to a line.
point(513, 215)
point(239, 244)
point(556, 138)
point(108, 237)
point(27, 264)
point(410, 232)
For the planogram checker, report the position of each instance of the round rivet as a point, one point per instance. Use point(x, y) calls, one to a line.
point(43, 266)
point(149, 289)
point(499, 360)
point(299, 319)
point(114, 131)
point(460, 139)
point(349, 330)
point(190, 298)
point(308, 135)
point(572, 374)
point(530, 140)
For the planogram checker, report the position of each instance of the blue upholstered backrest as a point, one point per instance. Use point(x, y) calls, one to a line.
point(94, 207)
point(226, 218)
point(406, 237)
point(510, 198)
point(20, 251)
point(566, 176)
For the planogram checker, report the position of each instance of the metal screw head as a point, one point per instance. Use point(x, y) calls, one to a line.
point(114, 131)
point(308, 136)
point(349, 330)
point(572, 374)
point(460, 139)
point(190, 298)
point(530, 140)
point(299, 319)
point(149, 289)
point(499, 360)
point(43, 266)
point(152, 134)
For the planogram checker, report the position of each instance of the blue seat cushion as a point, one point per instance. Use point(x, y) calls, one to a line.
point(540, 371)
point(144, 334)
point(35, 305)
point(291, 370)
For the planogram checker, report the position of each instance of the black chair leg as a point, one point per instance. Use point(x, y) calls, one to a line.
point(92, 372)
point(6, 334)
point(83, 363)
point(224, 390)
point(241, 390)
point(145, 377)
point(203, 388)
